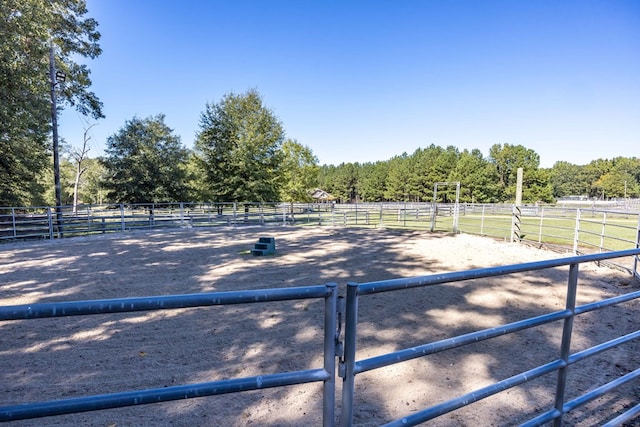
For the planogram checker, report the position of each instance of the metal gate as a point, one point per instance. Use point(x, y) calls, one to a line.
point(350, 367)
point(325, 374)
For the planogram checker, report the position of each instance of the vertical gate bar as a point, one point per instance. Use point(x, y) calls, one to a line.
point(330, 326)
point(541, 223)
point(122, 217)
point(356, 213)
point(565, 349)
point(404, 214)
point(333, 215)
point(604, 223)
point(235, 214)
point(576, 233)
point(13, 223)
point(350, 332)
point(456, 209)
point(50, 221)
point(433, 207)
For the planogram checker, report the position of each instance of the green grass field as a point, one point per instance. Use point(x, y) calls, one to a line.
point(596, 231)
point(612, 234)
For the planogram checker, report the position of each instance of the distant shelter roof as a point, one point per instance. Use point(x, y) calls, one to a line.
point(319, 194)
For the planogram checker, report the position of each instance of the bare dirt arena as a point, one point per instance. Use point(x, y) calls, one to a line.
point(70, 357)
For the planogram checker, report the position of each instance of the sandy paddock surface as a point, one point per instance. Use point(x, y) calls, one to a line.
point(75, 356)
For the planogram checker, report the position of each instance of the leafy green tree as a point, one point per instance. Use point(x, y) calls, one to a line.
point(197, 179)
point(299, 171)
point(28, 28)
point(565, 180)
point(592, 173)
point(621, 180)
point(611, 185)
point(627, 173)
point(507, 159)
point(478, 178)
point(537, 186)
point(145, 163)
point(239, 149)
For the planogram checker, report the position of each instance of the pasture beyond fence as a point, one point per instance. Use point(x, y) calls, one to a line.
point(349, 367)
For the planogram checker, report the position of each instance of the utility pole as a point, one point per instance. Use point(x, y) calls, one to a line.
point(55, 78)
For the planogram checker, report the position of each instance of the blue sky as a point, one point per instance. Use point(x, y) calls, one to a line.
point(361, 81)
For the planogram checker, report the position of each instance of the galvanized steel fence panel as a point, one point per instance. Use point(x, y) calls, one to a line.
point(325, 374)
point(350, 367)
point(583, 229)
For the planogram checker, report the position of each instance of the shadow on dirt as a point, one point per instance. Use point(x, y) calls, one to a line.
point(71, 357)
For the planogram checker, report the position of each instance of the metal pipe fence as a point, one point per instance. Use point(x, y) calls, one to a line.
point(578, 230)
point(350, 367)
point(325, 374)
point(539, 223)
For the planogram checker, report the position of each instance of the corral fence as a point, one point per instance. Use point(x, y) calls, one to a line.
point(579, 229)
point(349, 367)
point(21, 223)
point(42, 222)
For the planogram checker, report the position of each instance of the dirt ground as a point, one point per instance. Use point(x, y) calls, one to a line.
point(70, 357)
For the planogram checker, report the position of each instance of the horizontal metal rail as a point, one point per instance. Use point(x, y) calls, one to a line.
point(477, 395)
point(126, 305)
point(622, 418)
point(554, 414)
point(435, 279)
point(450, 343)
point(156, 395)
point(592, 351)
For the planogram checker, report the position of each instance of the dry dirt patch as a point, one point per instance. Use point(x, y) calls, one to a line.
point(70, 357)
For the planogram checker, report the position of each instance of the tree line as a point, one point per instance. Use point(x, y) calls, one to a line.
point(241, 152)
point(491, 179)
